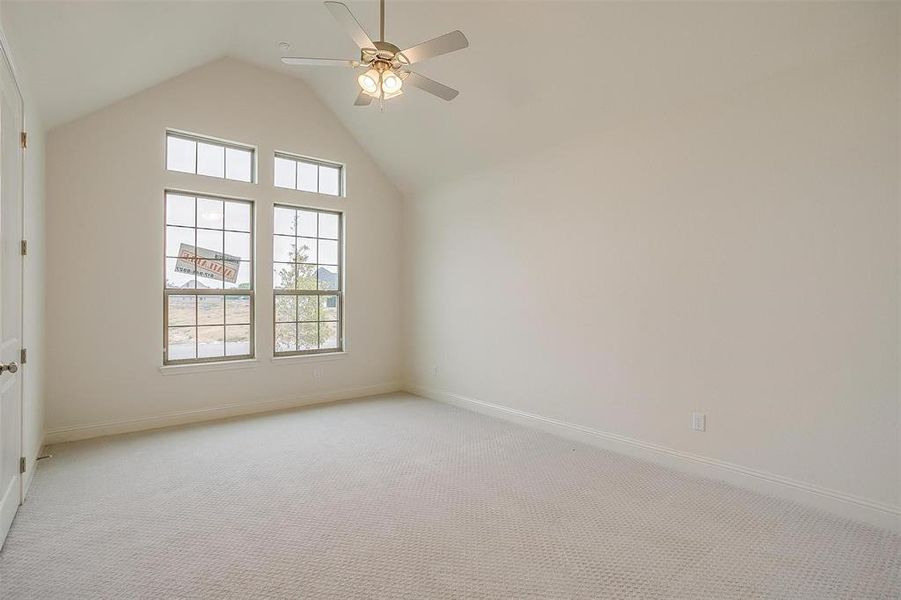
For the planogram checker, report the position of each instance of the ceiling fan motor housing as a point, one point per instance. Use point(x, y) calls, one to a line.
point(384, 52)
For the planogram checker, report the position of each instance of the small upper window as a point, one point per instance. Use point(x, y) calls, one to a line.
point(202, 156)
point(308, 175)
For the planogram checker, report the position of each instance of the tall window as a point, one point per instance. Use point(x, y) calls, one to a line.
point(308, 279)
point(203, 156)
point(308, 175)
point(208, 294)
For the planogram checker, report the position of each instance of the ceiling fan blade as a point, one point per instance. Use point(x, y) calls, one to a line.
point(343, 15)
point(363, 99)
point(319, 62)
point(449, 42)
point(431, 86)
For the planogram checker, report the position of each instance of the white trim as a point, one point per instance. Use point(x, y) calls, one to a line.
point(840, 503)
point(295, 359)
point(203, 367)
point(71, 433)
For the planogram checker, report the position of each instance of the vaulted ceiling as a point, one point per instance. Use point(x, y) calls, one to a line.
point(536, 73)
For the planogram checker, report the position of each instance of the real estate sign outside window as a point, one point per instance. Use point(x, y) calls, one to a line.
point(208, 289)
point(307, 274)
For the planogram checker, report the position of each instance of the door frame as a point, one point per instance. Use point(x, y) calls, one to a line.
point(6, 56)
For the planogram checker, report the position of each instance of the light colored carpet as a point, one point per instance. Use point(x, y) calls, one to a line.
point(399, 497)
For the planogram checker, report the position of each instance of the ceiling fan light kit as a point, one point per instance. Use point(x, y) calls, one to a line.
point(387, 67)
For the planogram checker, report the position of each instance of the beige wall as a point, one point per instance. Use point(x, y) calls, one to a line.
point(106, 176)
point(737, 257)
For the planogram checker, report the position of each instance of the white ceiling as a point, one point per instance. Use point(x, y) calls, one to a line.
point(535, 73)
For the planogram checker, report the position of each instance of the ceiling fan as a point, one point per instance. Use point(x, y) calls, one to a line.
point(387, 66)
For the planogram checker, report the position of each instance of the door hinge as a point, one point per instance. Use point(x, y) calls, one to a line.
point(21, 464)
point(24, 139)
point(23, 356)
point(24, 247)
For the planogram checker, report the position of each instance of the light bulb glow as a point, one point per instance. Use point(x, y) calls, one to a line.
point(391, 83)
point(369, 81)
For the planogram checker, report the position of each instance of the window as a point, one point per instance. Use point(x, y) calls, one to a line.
point(201, 156)
point(208, 290)
point(307, 277)
point(308, 175)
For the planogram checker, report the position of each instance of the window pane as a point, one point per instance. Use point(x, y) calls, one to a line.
point(181, 310)
point(209, 258)
point(307, 336)
point(180, 155)
point(284, 220)
point(306, 223)
point(328, 335)
point(328, 277)
point(237, 310)
point(285, 337)
point(307, 177)
point(240, 281)
point(328, 225)
point(238, 164)
point(180, 273)
point(329, 178)
point(178, 239)
point(283, 276)
point(210, 342)
point(306, 250)
point(179, 210)
point(306, 308)
point(285, 309)
point(210, 310)
point(328, 252)
point(209, 274)
point(306, 277)
point(283, 248)
point(210, 240)
point(237, 340)
point(237, 245)
point(181, 343)
point(315, 315)
point(209, 213)
point(237, 216)
point(285, 173)
point(328, 308)
point(210, 160)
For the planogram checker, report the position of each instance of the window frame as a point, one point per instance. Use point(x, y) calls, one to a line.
point(197, 292)
point(341, 347)
point(309, 160)
point(225, 144)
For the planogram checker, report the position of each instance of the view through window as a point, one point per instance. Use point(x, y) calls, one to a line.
point(307, 277)
point(208, 297)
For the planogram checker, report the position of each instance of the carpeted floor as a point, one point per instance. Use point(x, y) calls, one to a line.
point(399, 497)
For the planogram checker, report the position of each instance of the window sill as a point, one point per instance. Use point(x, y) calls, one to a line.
point(225, 365)
point(324, 357)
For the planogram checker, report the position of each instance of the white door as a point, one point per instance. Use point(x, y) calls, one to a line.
point(11, 159)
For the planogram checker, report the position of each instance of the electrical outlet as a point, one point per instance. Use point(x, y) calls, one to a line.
point(317, 373)
point(698, 421)
point(435, 371)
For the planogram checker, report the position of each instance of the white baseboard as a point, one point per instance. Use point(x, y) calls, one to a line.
point(72, 433)
point(845, 505)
